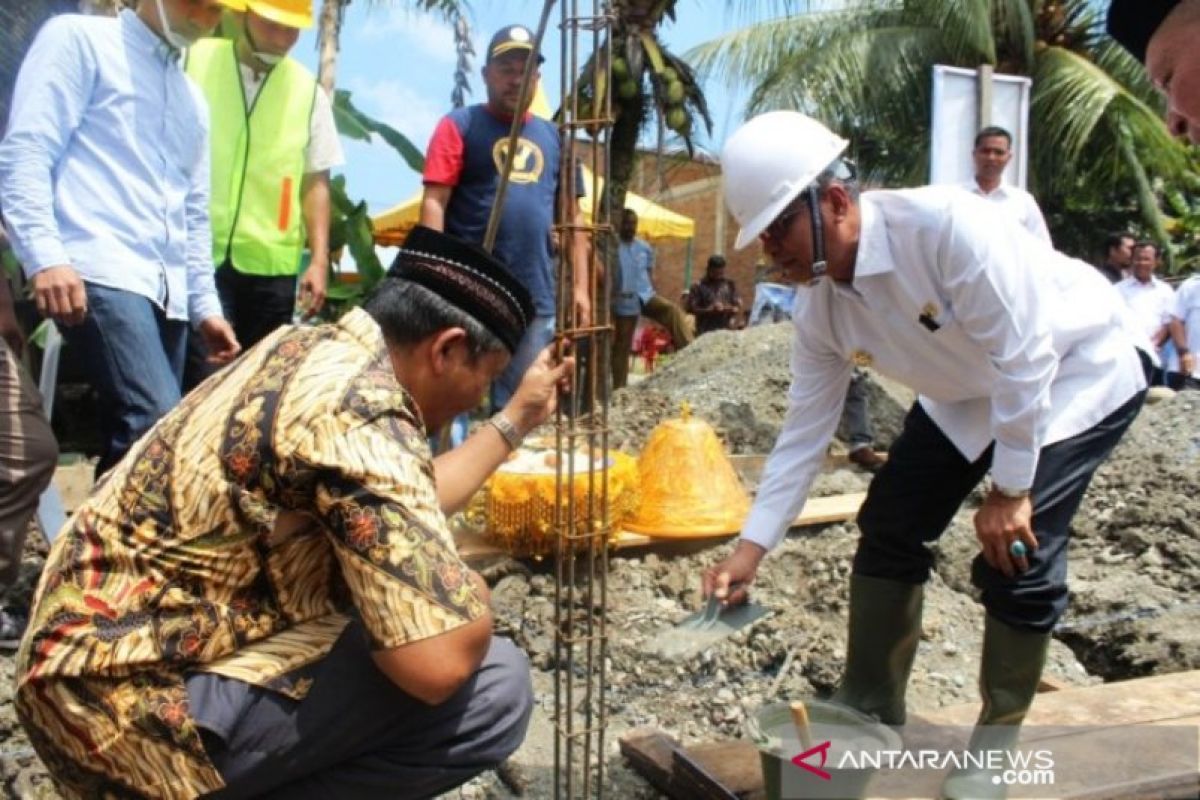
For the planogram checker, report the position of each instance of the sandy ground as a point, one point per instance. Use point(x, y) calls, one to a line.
point(1135, 575)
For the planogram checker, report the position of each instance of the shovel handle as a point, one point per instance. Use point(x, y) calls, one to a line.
point(800, 721)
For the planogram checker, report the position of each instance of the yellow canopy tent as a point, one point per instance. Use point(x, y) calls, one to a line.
point(393, 225)
point(654, 221)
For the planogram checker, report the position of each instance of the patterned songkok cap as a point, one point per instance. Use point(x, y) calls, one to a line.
point(469, 278)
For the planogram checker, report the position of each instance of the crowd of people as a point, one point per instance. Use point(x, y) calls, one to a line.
point(261, 595)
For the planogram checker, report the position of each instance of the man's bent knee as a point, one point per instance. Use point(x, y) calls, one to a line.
point(505, 679)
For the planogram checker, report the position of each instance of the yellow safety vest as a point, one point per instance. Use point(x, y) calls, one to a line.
point(258, 157)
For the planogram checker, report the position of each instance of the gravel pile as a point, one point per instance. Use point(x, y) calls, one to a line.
point(738, 382)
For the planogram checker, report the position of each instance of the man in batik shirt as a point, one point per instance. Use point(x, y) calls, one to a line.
point(264, 595)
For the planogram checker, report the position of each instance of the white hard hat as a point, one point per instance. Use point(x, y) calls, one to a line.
point(768, 162)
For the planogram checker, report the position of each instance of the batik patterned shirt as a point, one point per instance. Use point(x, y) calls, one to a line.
point(288, 490)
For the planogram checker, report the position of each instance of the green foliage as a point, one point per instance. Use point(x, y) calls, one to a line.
point(350, 227)
point(357, 125)
point(350, 223)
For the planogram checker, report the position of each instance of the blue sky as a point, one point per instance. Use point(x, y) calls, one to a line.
point(399, 66)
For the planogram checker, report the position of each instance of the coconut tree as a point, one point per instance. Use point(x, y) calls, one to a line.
point(329, 29)
point(643, 79)
point(1096, 129)
point(650, 83)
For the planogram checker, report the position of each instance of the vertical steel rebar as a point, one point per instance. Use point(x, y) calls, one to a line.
point(582, 524)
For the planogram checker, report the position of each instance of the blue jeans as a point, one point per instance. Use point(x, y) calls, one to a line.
point(537, 336)
point(134, 359)
point(856, 419)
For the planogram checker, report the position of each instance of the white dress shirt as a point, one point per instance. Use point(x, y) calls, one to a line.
point(1152, 302)
point(1187, 311)
point(1016, 202)
point(1002, 337)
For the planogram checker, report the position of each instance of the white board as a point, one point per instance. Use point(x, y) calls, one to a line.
point(955, 123)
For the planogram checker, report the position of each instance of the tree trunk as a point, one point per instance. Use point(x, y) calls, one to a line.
point(622, 152)
point(329, 31)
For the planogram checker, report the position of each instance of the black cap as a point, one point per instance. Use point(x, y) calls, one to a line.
point(469, 278)
point(510, 39)
point(1133, 22)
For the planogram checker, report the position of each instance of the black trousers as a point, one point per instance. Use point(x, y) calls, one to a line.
point(254, 305)
point(356, 735)
point(915, 495)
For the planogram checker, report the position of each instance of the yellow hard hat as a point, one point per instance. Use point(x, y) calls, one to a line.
point(234, 5)
point(292, 13)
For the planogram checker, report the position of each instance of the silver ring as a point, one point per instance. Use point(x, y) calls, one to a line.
point(1018, 549)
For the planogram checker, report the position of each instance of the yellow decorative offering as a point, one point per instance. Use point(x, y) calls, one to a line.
point(689, 489)
point(519, 498)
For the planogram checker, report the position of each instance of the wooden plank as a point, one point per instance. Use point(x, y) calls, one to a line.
point(734, 764)
point(709, 771)
point(650, 753)
point(1116, 768)
point(1053, 683)
point(1159, 698)
point(695, 781)
point(835, 508)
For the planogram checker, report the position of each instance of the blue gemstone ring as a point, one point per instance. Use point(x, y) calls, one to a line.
point(1018, 549)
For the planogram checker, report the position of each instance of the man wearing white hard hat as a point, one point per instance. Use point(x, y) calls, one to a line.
point(274, 142)
point(1026, 367)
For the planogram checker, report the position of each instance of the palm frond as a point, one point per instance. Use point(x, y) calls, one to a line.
point(1015, 32)
point(742, 56)
point(1072, 94)
point(966, 27)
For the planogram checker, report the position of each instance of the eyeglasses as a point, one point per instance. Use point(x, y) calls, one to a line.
point(779, 226)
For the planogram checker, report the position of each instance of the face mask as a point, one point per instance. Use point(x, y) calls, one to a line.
point(178, 41)
point(269, 59)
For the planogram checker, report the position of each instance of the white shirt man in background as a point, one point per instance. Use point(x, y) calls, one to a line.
point(1152, 302)
point(993, 151)
point(1185, 329)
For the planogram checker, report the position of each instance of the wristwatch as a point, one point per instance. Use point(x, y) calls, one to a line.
point(1011, 494)
point(506, 429)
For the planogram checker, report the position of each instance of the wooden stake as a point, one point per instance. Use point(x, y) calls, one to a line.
point(800, 720)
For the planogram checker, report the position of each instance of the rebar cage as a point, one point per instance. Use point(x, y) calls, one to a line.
point(581, 564)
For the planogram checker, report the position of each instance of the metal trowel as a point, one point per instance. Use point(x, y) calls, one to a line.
point(704, 628)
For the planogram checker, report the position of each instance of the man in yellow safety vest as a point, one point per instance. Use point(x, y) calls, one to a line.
point(273, 144)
